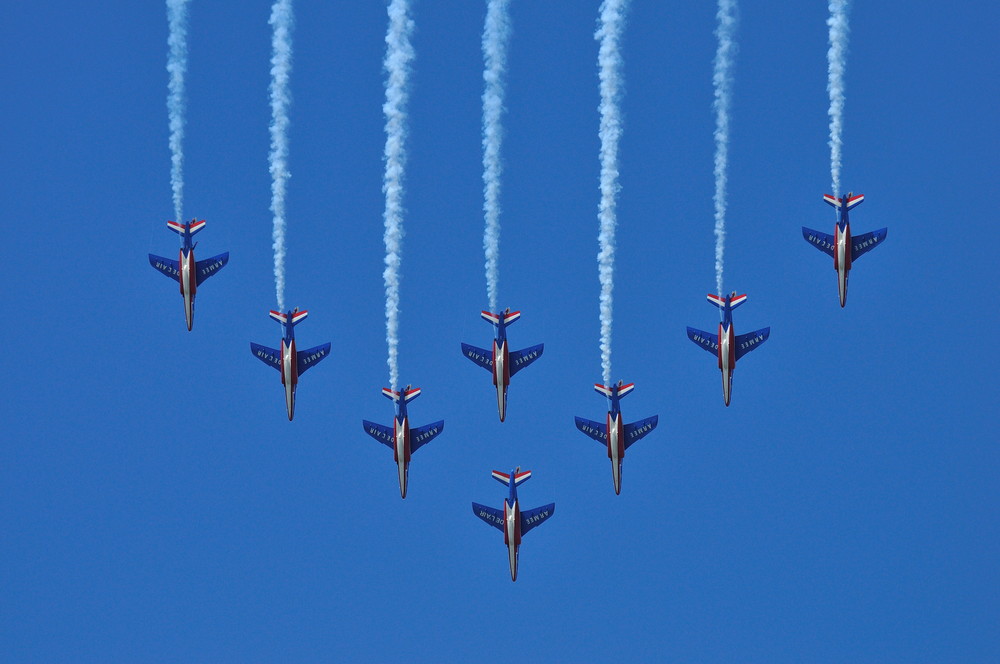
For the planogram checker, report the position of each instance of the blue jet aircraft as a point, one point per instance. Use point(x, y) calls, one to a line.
point(185, 270)
point(502, 362)
point(614, 435)
point(403, 440)
point(726, 346)
point(844, 248)
point(290, 362)
point(512, 521)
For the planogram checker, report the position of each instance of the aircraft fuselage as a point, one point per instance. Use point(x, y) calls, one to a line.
point(842, 258)
point(727, 357)
point(188, 283)
point(401, 450)
point(512, 534)
point(616, 448)
point(501, 374)
point(289, 374)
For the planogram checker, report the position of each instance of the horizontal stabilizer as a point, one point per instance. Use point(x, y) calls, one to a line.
point(382, 434)
point(709, 342)
point(490, 317)
point(206, 268)
point(608, 392)
point(536, 517)
point(504, 478)
point(519, 359)
point(855, 201)
point(406, 395)
point(425, 434)
point(593, 429)
point(268, 356)
point(510, 317)
point(720, 302)
point(311, 356)
point(747, 342)
point(832, 200)
point(862, 244)
point(180, 229)
point(638, 430)
point(166, 266)
point(297, 317)
point(821, 241)
point(483, 358)
point(490, 515)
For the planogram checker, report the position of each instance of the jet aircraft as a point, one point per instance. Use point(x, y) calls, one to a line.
point(727, 346)
point(185, 270)
point(512, 521)
point(290, 362)
point(502, 362)
point(842, 246)
point(403, 440)
point(614, 435)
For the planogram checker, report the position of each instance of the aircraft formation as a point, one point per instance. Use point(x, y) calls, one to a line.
point(502, 363)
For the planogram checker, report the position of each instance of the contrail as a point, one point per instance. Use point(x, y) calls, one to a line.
point(610, 63)
point(398, 55)
point(177, 67)
point(837, 64)
point(281, 67)
point(495, 37)
point(722, 78)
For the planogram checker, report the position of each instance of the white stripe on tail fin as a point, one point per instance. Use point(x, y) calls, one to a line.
point(603, 390)
point(503, 478)
point(299, 316)
point(625, 389)
point(511, 317)
point(855, 201)
point(410, 395)
point(738, 300)
point(832, 200)
point(716, 300)
point(490, 317)
point(196, 226)
point(390, 394)
point(278, 316)
point(522, 477)
point(176, 227)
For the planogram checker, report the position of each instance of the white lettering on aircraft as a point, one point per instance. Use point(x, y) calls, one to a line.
point(820, 242)
point(480, 358)
point(163, 267)
point(750, 342)
point(378, 433)
point(866, 243)
point(315, 357)
point(430, 433)
point(266, 356)
point(526, 358)
point(591, 431)
point(538, 517)
point(640, 431)
point(490, 517)
point(703, 341)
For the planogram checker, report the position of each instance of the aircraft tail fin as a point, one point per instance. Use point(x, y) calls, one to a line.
point(405, 396)
point(519, 478)
point(292, 318)
point(180, 228)
point(854, 201)
point(720, 302)
point(832, 201)
point(507, 316)
point(607, 391)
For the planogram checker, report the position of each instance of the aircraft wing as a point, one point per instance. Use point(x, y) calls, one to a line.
point(638, 430)
point(483, 358)
point(268, 356)
point(382, 434)
point(596, 431)
point(311, 356)
point(862, 244)
point(749, 341)
point(535, 517)
point(709, 342)
point(168, 267)
point(425, 434)
point(206, 268)
point(490, 515)
point(821, 241)
point(519, 359)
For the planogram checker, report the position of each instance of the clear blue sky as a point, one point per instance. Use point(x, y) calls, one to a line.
point(158, 506)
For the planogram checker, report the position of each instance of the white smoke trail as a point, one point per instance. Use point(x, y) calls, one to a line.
point(610, 64)
point(398, 55)
point(495, 37)
point(722, 79)
point(177, 67)
point(837, 63)
point(281, 67)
